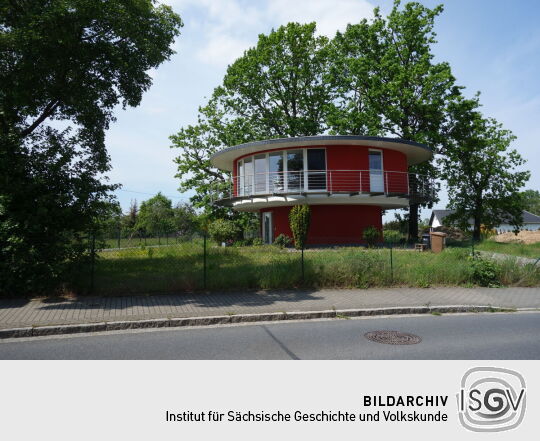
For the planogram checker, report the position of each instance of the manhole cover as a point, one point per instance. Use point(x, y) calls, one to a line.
point(393, 337)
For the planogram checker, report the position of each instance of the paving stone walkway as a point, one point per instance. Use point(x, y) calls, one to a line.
point(21, 313)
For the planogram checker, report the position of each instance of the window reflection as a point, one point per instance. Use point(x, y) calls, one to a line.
point(275, 170)
point(282, 171)
point(295, 170)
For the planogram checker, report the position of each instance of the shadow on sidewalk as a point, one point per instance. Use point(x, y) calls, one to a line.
point(202, 300)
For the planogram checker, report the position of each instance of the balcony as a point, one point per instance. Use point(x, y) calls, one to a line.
point(355, 185)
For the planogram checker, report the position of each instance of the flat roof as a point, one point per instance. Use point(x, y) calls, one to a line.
point(415, 152)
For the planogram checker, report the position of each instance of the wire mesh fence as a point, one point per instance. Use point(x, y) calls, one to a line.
point(172, 263)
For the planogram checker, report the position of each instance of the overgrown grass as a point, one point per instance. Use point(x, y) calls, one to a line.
point(180, 268)
point(516, 249)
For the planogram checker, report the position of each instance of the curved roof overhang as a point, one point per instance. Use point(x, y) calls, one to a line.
point(415, 152)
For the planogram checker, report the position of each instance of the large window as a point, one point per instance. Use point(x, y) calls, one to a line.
point(261, 176)
point(276, 179)
point(316, 166)
point(295, 170)
point(283, 171)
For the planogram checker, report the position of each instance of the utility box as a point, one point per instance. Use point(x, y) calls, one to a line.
point(438, 241)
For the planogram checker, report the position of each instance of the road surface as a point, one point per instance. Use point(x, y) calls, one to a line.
point(468, 336)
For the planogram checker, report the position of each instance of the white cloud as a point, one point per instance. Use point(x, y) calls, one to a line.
point(229, 27)
point(330, 16)
point(222, 49)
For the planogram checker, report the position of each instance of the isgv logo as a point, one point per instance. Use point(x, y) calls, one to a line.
point(491, 399)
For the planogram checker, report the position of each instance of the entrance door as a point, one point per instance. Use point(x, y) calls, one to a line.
point(268, 237)
point(376, 182)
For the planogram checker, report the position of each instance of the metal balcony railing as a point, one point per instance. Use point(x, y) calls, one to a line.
point(418, 188)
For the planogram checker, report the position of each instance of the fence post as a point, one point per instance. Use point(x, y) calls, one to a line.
point(119, 233)
point(204, 260)
point(303, 279)
point(391, 265)
point(92, 261)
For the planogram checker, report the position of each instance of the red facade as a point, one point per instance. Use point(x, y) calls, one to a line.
point(330, 224)
point(347, 170)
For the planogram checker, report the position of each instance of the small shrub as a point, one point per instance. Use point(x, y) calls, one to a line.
point(485, 272)
point(257, 242)
point(299, 219)
point(392, 236)
point(371, 235)
point(283, 241)
point(223, 230)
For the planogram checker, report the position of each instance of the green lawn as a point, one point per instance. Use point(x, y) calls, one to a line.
point(179, 267)
point(515, 249)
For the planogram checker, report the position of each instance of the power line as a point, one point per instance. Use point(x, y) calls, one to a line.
point(153, 194)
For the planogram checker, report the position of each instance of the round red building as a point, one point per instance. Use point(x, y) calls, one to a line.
point(347, 181)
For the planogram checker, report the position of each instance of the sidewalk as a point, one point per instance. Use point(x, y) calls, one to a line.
point(23, 313)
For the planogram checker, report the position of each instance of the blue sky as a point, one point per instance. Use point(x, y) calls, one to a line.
point(492, 45)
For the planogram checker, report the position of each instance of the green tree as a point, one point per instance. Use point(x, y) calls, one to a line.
point(223, 230)
point(371, 236)
point(156, 216)
point(299, 220)
point(531, 201)
point(72, 61)
point(480, 170)
point(387, 83)
point(184, 219)
point(132, 215)
point(277, 88)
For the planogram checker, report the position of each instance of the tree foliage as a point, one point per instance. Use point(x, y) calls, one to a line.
point(481, 171)
point(156, 216)
point(279, 87)
point(71, 61)
point(276, 89)
point(371, 235)
point(388, 84)
point(531, 201)
point(223, 230)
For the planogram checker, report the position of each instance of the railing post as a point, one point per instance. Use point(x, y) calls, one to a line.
point(330, 181)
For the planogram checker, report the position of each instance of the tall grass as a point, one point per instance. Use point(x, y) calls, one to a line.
point(516, 249)
point(180, 268)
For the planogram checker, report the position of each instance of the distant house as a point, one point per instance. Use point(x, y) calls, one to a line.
point(530, 221)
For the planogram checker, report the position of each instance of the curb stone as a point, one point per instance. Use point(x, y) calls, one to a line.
point(37, 331)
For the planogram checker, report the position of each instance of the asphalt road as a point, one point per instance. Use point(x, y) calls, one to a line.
point(447, 337)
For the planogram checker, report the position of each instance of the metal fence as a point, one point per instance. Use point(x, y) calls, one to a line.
point(169, 263)
point(173, 264)
point(332, 182)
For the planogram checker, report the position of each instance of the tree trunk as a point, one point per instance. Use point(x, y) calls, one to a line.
point(413, 223)
point(476, 230)
point(478, 215)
